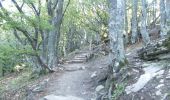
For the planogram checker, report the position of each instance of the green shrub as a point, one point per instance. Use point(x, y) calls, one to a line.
point(9, 57)
point(118, 91)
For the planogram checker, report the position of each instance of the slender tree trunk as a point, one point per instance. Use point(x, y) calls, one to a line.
point(163, 19)
point(168, 14)
point(112, 31)
point(134, 21)
point(120, 20)
point(126, 25)
point(154, 12)
point(44, 36)
point(145, 34)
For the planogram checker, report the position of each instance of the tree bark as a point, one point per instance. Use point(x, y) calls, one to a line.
point(163, 19)
point(54, 35)
point(134, 21)
point(120, 20)
point(112, 31)
point(126, 24)
point(145, 34)
point(116, 30)
point(168, 15)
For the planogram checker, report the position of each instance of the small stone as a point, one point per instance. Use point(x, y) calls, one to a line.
point(159, 86)
point(141, 98)
point(159, 76)
point(99, 88)
point(168, 77)
point(160, 72)
point(101, 67)
point(158, 93)
point(161, 81)
point(94, 74)
point(82, 68)
point(41, 86)
point(146, 64)
point(165, 96)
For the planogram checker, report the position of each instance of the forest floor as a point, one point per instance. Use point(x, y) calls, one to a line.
point(151, 82)
point(148, 80)
point(77, 81)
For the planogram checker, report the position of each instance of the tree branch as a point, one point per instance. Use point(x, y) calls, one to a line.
point(66, 8)
point(17, 36)
point(49, 8)
point(17, 6)
point(1, 5)
point(35, 10)
point(22, 5)
point(55, 5)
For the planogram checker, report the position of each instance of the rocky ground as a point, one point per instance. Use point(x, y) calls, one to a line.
point(151, 82)
point(78, 80)
point(83, 77)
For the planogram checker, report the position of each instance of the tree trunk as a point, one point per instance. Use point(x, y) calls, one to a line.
point(168, 14)
point(120, 20)
point(163, 19)
point(116, 30)
point(134, 21)
point(112, 31)
point(145, 34)
point(126, 25)
point(54, 35)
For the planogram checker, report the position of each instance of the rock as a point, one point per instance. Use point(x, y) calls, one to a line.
point(100, 67)
point(150, 72)
point(82, 68)
point(40, 87)
point(159, 86)
point(159, 76)
point(158, 93)
point(162, 81)
point(30, 96)
point(94, 74)
point(160, 73)
point(168, 77)
point(99, 88)
point(165, 96)
point(146, 64)
point(53, 97)
point(37, 89)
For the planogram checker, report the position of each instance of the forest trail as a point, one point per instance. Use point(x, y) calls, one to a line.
point(78, 81)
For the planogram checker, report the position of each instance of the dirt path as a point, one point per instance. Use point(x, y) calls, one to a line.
point(78, 80)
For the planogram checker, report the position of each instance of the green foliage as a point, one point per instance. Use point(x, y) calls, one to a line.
point(29, 1)
point(15, 82)
point(118, 91)
point(124, 63)
point(10, 57)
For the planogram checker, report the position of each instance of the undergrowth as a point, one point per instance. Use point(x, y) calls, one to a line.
point(119, 89)
point(15, 82)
